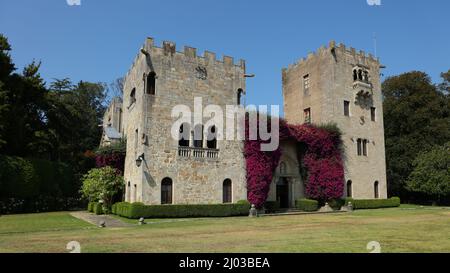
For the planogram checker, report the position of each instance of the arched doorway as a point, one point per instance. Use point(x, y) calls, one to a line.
point(166, 191)
point(282, 192)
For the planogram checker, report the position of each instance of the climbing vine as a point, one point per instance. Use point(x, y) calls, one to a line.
point(322, 160)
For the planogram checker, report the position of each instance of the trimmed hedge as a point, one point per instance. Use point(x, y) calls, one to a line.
point(90, 207)
point(30, 178)
point(272, 206)
point(137, 210)
point(373, 203)
point(336, 204)
point(39, 204)
point(98, 208)
point(307, 204)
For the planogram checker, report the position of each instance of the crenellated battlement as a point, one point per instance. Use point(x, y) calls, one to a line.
point(330, 48)
point(169, 49)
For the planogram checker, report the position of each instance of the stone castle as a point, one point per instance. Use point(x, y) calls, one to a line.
point(335, 84)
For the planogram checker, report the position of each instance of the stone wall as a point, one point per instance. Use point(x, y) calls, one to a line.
point(330, 71)
point(180, 77)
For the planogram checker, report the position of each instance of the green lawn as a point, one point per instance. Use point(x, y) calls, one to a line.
point(405, 229)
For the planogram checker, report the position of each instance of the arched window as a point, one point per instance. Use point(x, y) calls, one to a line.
point(227, 192)
point(360, 74)
point(198, 136)
point(355, 75)
point(132, 96)
point(239, 96)
point(283, 168)
point(359, 146)
point(128, 191)
point(376, 190)
point(349, 188)
point(211, 141)
point(151, 83)
point(366, 76)
point(183, 139)
point(166, 191)
point(136, 136)
point(364, 146)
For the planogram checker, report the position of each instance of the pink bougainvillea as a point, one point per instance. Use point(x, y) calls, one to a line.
point(322, 160)
point(115, 160)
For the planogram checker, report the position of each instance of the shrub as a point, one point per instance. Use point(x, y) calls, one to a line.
point(373, 203)
point(98, 208)
point(113, 209)
point(307, 204)
point(336, 204)
point(102, 184)
point(137, 210)
point(90, 207)
point(272, 206)
point(243, 202)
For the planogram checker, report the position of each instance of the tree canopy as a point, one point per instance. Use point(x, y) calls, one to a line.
point(416, 118)
point(431, 173)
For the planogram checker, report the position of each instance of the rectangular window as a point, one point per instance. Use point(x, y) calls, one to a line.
point(151, 83)
point(306, 85)
point(372, 113)
point(365, 141)
point(307, 115)
point(136, 136)
point(346, 108)
point(359, 148)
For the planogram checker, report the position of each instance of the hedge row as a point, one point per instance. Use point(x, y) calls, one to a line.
point(39, 204)
point(30, 178)
point(373, 203)
point(307, 204)
point(137, 210)
point(272, 206)
point(95, 207)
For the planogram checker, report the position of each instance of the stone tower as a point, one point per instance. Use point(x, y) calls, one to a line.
point(160, 169)
point(340, 85)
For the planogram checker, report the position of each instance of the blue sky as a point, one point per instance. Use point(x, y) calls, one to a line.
point(97, 41)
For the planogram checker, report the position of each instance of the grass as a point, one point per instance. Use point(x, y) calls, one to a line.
point(405, 229)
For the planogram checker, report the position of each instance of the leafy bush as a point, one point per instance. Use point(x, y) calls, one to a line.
point(431, 174)
point(90, 207)
point(272, 206)
point(243, 202)
point(307, 204)
point(98, 208)
point(102, 184)
point(373, 203)
point(137, 210)
point(336, 204)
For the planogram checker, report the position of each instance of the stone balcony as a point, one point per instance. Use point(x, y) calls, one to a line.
point(191, 152)
point(362, 84)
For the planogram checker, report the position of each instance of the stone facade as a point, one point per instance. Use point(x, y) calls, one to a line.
point(341, 85)
point(158, 167)
point(112, 123)
point(197, 174)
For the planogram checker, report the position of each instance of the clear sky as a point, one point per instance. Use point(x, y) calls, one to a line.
point(98, 40)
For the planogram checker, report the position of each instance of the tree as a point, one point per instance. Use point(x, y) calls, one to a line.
point(73, 115)
point(431, 174)
point(102, 184)
point(416, 117)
